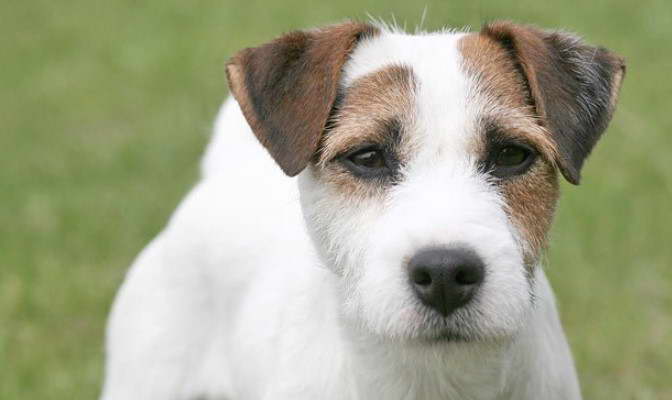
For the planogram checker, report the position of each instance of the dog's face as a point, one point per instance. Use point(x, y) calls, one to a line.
point(429, 162)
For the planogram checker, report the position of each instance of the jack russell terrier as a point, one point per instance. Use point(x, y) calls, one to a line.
point(404, 260)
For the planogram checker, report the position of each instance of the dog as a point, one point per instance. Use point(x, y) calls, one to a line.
point(403, 262)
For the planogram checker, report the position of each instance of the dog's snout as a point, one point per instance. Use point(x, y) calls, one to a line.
point(446, 279)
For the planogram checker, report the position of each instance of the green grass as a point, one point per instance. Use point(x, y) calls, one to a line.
point(105, 108)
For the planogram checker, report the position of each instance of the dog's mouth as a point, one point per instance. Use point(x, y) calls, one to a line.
point(457, 335)
point(432, 327)
point(454, 333)
point(459, 327)
point(451, 337)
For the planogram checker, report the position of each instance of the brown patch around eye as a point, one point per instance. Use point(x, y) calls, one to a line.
point(530, 197)
point(376, 110)
point(530, 202)
point(501, 85)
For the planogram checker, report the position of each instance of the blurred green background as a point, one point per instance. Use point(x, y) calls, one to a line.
point(105, 108)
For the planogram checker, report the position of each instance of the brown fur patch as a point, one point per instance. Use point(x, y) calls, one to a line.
point(375, 109)
point(552, 90)
point(287, 88)
point(530, 198)
point(502, 84)
point(572, 86)
point(530, 202)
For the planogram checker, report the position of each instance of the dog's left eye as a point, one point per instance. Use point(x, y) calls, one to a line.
point(511, 156)
point(510, 160)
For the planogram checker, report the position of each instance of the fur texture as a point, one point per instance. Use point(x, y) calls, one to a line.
point(265, 287)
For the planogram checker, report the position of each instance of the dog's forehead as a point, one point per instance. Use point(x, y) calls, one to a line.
point(444, 106)
point(427, 54)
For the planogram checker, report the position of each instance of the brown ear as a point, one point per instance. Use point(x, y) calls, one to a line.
point(573, 86)
point(287, 88)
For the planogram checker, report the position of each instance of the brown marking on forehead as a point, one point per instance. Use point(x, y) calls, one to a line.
point(500, 83)
point(368, 108)
point(375, 109)
point(494, 70)
point(508, 108)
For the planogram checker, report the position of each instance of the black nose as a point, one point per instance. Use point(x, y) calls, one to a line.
point(446, 278)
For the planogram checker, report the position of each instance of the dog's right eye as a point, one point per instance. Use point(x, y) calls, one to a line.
point(367, 162)
point(371, 159)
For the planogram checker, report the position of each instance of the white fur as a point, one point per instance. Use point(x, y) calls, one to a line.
point(260, 288)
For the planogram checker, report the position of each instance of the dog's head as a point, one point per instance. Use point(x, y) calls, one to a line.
point(428, 163)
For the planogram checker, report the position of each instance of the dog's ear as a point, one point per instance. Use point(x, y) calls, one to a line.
point(573, 86)
point(287, 88)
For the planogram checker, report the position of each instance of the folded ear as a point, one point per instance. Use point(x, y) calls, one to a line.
point(287, 88)
point(573, 86)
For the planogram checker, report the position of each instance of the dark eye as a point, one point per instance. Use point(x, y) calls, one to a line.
point(511, 156)
point(368, 158)
point(367, 162)
point(510, 160)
